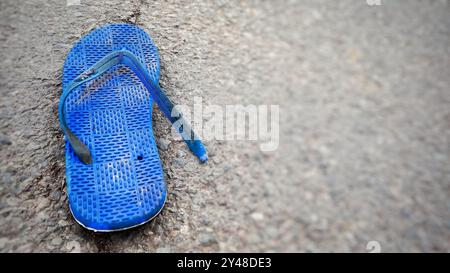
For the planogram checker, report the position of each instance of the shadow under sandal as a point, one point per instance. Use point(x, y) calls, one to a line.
point(114, 174)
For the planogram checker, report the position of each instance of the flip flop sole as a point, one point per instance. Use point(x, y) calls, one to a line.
point(124, 186)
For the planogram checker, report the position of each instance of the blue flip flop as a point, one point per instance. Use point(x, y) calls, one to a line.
point(114, 175)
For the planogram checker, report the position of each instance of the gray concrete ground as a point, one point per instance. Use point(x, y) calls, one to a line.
point(364, 125)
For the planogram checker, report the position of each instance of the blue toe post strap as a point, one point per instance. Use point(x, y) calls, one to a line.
point(164, 103)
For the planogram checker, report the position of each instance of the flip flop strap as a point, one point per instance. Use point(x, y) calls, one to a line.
point(165, 104)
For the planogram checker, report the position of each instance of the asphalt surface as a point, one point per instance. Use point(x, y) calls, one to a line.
point(364, 150)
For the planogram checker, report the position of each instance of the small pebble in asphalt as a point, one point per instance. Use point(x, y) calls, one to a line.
point(4, 140)
point(226, 168)
point(207, 239)
point(73, 246)
point(3, 242)
point(178, 162)
point(163, 144)
point(55, 195)
point(163, 250)
point(56, 241)
point(257, 216)
point(63, 223)
point(181, 153)
point(7, 178)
